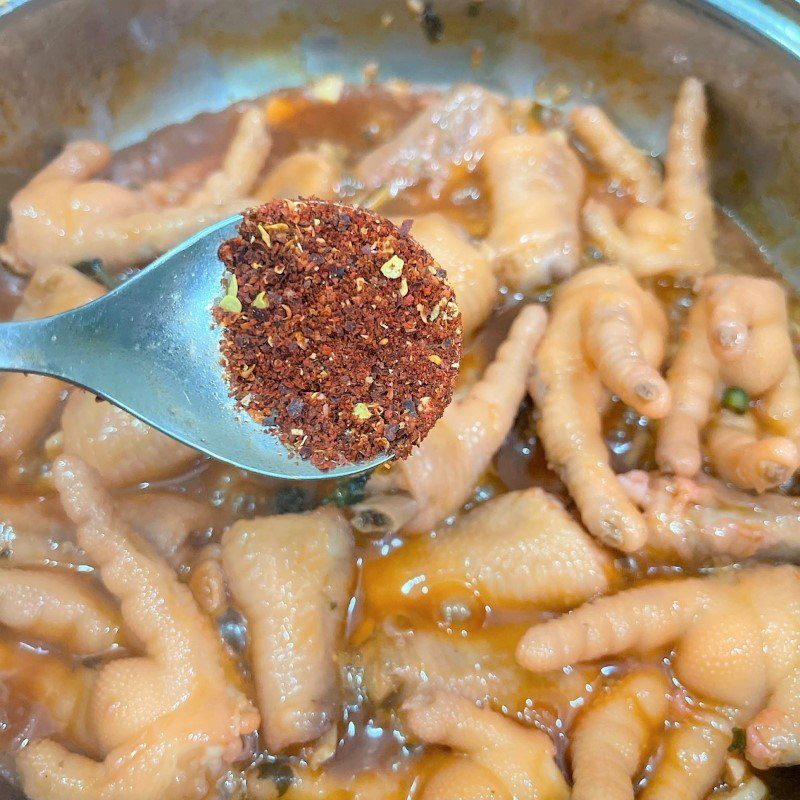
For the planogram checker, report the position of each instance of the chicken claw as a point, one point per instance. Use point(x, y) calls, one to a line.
point(693, 756)
point(306, 173)
point(627, 167)
point(123, 449)
point(678, 235)
point(521, 549)
point(773, 736)
point(700, 521)
point(610, 739)
point(400, 663)
point(166, 720)
point(642, 619)
point(61, 607)
point(605, 333)
point(291, 574)
point(736, 637)
point(537, 187)
point(736, 335)
point(451, 133)
point(468, 267)
point(53, 684)
point(67, 210)
point(502, 758)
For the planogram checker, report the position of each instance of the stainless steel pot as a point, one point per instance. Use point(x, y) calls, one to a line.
point(119, 69)
point(122, 68)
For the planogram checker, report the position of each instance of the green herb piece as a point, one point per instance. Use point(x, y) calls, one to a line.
point(735, 399)
point(361, 411)
point(432, 24)
point(291, 500)
point(393, 268)
point(370, 520)
point(94, 269)
point(739, 741)
point(348, 492)
point(280, 773)
point(260, 301)
point(231, 302)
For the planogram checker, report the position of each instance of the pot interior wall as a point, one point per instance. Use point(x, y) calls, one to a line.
point(122, 70)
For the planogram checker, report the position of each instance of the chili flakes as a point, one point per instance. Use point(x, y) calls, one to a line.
point(340, 332)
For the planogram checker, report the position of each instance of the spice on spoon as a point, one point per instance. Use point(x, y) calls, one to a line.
point(339, 331)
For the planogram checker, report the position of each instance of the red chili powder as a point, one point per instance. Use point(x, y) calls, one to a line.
point(340, 332)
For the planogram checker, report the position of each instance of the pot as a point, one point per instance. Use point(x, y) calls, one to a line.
point(119, 70)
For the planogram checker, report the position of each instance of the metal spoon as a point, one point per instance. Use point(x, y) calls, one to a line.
point(149, 347)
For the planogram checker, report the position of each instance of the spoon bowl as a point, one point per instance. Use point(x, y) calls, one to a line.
point(149, 347)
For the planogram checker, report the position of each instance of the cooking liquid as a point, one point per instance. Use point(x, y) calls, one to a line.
point(372, 753)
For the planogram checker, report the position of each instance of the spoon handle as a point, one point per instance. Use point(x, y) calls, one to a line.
point(60, 346)
point(28, 346)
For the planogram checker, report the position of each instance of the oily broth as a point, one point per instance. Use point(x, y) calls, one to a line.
point(371, 739)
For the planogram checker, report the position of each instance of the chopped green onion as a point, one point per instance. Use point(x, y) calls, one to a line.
point(94, 269)
point(291, 500)
point(735, 399)
point(739, 741)
point(348, 491)
point(361, 411)
point(260, 301)
point(230, 303)
point(280, 773)
point(369, 520)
